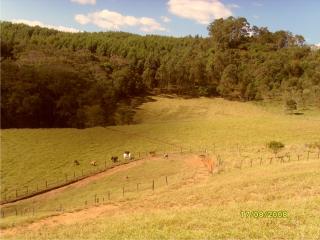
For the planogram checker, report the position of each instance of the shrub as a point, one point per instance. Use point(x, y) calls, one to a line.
point(275, 146)
point(291, 105)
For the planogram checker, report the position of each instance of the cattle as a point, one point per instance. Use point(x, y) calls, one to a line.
point(114, 159)
point(166, 155)
point(76, 162)
point(152, 153)
point(93, 163)
point(126, 155)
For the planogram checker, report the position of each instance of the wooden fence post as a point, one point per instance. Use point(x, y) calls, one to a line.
point(308, 154)
point(46, 184)
point(27, 190)
point(271, 160)
point(74, 174)
point(251, 162)
point(152, 185)
point(167, 180)
point(95, 198)
point(123, 191)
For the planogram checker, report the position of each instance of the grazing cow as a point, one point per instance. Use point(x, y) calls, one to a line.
point(76, 162)
point(152, 153)
point(126, 155)
point(93, 163)
point(114, 159)
point(166, 155)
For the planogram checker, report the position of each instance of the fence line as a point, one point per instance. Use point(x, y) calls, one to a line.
point(27, 191)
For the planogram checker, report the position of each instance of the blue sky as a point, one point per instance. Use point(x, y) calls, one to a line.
point(166, 17)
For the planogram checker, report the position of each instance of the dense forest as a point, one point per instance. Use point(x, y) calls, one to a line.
point(57, 79)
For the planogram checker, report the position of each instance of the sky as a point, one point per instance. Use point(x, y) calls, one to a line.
point(164, 17)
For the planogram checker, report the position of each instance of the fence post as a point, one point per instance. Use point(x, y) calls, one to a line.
point(271, 160)
point(27, 190)
point(108, 195)
point(152, 185)
point(137, 187)
point(251, 162)
point(95, 198)
point(308, 154)
point(74, 174)
point(123, 191)
point(167, 180)
point(298, 157)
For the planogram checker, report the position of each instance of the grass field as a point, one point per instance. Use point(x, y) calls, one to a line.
point(207, 209)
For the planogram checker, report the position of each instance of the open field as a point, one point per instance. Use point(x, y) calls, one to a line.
point(193, 205)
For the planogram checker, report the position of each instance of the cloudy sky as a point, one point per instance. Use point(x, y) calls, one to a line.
point(166, 17)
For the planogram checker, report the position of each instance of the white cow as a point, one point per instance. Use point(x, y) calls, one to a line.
point(126, 155)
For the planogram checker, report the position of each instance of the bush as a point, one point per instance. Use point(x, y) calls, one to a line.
point(275, 146)
point(291, 105)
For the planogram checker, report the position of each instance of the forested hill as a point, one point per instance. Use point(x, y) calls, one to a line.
point(57, 79)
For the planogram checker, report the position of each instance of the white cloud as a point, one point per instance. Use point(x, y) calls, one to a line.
point(257, 4)
point(40, 24)
point(318, 45)
point(84, 2)
point(110, 20)
point(202, 11)
point(165, 19)
point(256, 16)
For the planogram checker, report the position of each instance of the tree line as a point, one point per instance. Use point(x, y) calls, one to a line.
point(57, 79)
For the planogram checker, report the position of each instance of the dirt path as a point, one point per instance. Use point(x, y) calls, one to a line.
point(203, 167)
point(201, 173)
point(81, 183)
point(63, 219)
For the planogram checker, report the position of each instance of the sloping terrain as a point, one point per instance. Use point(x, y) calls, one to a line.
point(178, 197)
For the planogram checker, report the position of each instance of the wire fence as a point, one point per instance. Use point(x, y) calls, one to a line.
point(237, 157)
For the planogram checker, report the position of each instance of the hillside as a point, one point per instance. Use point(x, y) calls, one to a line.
point(52, 79)
point(187, 201)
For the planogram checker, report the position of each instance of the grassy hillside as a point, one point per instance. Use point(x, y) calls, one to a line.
point(206, 209)
point(193, 205)
point(215, 124)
